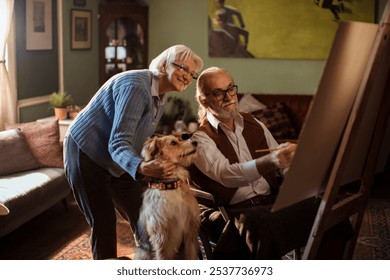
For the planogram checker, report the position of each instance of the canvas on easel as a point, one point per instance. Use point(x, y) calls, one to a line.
point(356, 140)
point(359, 149)
point(329, 113)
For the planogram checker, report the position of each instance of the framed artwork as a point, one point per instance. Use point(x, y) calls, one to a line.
point(39, 25)
point(81, 29)
point(280, 29)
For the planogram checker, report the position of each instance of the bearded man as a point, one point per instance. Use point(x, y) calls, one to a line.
point(245, 181)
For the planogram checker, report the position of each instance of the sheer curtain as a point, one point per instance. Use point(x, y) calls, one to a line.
point(7, 96)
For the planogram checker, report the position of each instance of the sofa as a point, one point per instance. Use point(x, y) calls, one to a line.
point(283, 114)
point(32, 177)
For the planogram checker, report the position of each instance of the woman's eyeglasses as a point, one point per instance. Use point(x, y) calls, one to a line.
point(185, 69)
point(220, 94)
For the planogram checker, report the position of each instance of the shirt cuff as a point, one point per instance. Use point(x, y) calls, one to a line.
point(250, 170)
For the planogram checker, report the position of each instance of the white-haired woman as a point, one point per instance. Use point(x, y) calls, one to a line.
point(103, 145)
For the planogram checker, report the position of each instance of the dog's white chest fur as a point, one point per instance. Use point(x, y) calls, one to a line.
point(171, 220)
point(170, 206)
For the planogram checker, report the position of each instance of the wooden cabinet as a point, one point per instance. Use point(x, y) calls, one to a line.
point(123, 37)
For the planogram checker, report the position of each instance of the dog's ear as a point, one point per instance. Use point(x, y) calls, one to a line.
point(151, 149)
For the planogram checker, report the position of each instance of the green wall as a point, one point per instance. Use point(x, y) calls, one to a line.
point(252, 75)
point(37, 70)
point(81, 67)
point(185, 21)
point(173, 22)
point(170, 22)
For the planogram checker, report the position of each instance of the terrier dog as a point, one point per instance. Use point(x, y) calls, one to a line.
point(169, 217)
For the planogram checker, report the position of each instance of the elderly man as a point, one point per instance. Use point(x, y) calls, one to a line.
point(245, 181)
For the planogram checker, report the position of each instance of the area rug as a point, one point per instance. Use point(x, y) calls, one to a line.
point(374, 238)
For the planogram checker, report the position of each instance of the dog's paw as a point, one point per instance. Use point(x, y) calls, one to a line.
point(142, 254)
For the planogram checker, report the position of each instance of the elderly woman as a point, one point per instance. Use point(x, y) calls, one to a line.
point(102, 148)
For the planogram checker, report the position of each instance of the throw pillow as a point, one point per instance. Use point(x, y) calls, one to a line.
point(276, 119)
point(15, 155)
point(43, 138)
point(250, 104)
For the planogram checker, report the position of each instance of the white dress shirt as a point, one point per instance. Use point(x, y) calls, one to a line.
point(242, 174)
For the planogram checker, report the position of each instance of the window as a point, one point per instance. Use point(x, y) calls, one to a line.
point(7, 86)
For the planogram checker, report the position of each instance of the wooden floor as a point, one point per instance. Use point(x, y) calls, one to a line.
point(50, 232)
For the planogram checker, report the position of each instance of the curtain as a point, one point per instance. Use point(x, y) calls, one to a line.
point(7, 95)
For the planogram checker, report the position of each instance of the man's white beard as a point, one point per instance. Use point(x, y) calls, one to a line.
point(221, 113)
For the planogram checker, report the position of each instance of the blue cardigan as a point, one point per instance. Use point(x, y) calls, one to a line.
point(112, 128)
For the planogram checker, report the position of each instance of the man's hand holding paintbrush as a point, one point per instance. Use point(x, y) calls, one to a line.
point(279, 157)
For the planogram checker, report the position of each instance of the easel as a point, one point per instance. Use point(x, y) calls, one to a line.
point(376, 85)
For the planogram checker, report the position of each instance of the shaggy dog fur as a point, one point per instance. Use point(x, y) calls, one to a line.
point(169, 219)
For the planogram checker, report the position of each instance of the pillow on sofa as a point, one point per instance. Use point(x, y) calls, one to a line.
point(276, 119)
point(15, 155)
point(250, 104)
point(43, 138)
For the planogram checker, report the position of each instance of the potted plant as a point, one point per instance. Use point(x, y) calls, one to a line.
point(59, 101)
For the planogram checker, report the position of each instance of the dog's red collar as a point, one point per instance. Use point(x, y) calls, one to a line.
point(165, 184)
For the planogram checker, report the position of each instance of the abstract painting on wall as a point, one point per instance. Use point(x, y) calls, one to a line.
point(280, 29)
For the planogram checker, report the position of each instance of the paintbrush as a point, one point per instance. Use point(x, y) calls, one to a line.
point(267, 150)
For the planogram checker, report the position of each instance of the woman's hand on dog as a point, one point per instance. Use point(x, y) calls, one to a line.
point(157, 169)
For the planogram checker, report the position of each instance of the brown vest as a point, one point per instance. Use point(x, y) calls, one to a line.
point(253, 134)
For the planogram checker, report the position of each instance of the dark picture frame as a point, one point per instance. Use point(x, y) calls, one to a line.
point(81, 29)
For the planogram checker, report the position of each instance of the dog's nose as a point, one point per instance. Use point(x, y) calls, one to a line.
point(194, 143)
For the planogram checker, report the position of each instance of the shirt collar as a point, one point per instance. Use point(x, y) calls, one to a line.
point(215, 122)
point(162, 100)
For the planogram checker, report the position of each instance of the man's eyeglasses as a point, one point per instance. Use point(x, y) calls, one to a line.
point(220, 94)
point(185, 69)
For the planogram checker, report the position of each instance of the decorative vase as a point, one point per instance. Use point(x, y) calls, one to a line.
point(60, 113)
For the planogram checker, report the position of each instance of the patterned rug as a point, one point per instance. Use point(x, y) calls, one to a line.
point(374, 237)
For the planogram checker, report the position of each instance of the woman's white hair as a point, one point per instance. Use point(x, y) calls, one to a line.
point(171, 54)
